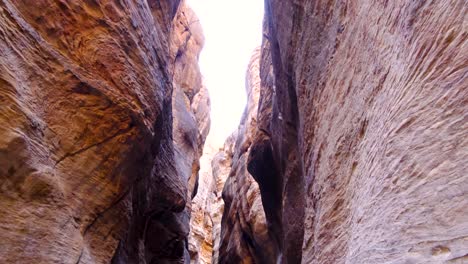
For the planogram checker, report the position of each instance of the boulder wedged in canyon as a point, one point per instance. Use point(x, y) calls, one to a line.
point(360, 144)
point(98, 101)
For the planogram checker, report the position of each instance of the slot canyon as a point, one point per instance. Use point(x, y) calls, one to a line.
point(352, 146)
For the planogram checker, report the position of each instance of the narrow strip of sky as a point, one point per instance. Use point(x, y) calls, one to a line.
point(232, 29)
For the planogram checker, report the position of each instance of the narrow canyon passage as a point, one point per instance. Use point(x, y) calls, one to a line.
point(249, 131)
point(224, 60)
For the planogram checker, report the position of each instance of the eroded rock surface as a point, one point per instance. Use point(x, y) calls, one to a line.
point(221, 167)
point(200, 237)
point(205, 223)
point(90, 162)
point(244, 233)
point(361, 142)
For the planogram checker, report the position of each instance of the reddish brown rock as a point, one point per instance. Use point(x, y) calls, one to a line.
point(361, 147)
point(87, 157)
point(244, 233)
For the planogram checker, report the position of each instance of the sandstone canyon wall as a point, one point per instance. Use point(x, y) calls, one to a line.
point(226, 186)
point(360, 144)
point(103, 118)
point(207, 210)
point(244, 236)
point(200, 237)
point(352, 147)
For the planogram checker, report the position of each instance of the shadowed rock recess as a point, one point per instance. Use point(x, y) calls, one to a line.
point(352, 148)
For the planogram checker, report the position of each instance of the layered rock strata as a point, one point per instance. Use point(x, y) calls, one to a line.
point(98, 101)
point(360, 148)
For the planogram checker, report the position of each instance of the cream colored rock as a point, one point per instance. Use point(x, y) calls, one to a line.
point(207, 206)
point(244, 236)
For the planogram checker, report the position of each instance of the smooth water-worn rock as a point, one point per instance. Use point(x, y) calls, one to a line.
point(90, 168)
point(361, 142)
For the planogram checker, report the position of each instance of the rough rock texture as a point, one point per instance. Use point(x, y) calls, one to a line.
point(87, 152)
point(208, 206)
point(206, 238)
point(244, 233)
point(361, 147)
point(221, 167)
point(200, 237)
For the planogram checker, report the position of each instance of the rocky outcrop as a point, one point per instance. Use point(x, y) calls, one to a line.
point(200, 237)
point(244, 233)
point(360, 145)
point(98, 101)
point(205, 223)
point(221, 167)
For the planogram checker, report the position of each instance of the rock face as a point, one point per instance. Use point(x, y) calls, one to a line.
point(360, 143)
point(244, 233)
point(205, 223)
point(227, 170)
point(200, 237)
point(99, 100)
point(221, 167)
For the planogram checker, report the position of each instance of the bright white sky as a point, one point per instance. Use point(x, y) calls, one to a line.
point(232, 29)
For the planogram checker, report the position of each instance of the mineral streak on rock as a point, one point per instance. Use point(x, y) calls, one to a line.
point(90, 168)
